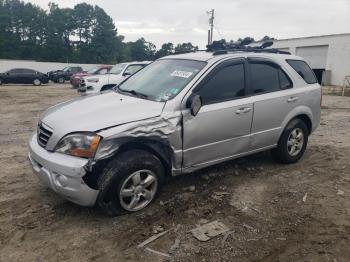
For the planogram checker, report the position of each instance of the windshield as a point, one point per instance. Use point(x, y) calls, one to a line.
point(65, 69)
point(163, 79)
point(117, 69)
point(93, 70)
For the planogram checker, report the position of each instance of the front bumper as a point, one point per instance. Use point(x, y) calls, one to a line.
point(62, 173)
point(75, 82)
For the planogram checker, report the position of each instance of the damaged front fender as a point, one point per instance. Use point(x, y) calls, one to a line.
point(162, 134)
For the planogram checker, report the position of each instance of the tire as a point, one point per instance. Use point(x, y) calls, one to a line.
point(295, 135)
point(61, 80)
point(37, 82)
point(1, 82)
point(120, 175)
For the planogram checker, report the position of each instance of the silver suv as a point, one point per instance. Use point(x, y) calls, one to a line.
point(179, 114)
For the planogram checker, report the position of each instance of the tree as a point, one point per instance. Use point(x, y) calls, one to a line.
point(185, 47)
point(82, 34)
point(166, 49)
point(105, 45)
point(58, 29)
point(141, 50)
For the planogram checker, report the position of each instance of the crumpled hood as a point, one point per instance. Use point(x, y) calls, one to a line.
point(98, 112)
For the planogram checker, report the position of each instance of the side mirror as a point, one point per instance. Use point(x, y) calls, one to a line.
point(194, 103)
point(127, 74)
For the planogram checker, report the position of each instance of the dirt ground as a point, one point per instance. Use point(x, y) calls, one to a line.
point(299, 212)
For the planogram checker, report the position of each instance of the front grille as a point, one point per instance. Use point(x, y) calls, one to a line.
point(44, 135)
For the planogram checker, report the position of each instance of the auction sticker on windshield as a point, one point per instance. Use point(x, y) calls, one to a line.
point(182, 74)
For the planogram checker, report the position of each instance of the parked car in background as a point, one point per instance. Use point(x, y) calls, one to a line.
point(97, 70)
point(60, 76)
point(23, 76)
point(179, 114)
point(120, 72)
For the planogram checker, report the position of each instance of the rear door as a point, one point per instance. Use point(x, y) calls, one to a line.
point(14, 76)
point(221, 128)
point(274, 97)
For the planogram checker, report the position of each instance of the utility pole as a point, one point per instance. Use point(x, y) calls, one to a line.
point(211, 24)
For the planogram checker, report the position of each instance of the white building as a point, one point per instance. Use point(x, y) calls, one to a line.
point(328, 55)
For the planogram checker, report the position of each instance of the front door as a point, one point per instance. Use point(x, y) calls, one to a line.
point(221, 129)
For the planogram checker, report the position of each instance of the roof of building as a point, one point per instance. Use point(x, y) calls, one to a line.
point(316, 36)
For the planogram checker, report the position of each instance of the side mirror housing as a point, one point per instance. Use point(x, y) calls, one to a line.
point(127, 74)
point(194, 103)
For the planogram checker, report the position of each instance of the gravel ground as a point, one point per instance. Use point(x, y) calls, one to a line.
point(274, 212)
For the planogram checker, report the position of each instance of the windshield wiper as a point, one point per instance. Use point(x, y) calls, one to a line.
point(133, 92)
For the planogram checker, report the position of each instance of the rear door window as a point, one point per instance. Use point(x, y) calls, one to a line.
point(15, 71)
point(268, 77)
point(264, 78)
point(304, 70)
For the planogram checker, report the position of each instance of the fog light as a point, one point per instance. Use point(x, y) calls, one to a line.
point(61, 180)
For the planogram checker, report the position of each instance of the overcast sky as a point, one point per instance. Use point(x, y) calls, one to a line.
point(179, 21)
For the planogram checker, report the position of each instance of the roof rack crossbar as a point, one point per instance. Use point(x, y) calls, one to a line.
point(254, 50)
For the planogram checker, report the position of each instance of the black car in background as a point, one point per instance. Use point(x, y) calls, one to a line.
point(60, 76)
point(23, 76)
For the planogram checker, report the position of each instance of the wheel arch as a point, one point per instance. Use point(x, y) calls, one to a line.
point(160, 149)
point(303, 113)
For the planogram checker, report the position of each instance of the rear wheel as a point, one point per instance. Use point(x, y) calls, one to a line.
point(37, 82)
point(130, 182)
point(292, 143)
point(1, 82)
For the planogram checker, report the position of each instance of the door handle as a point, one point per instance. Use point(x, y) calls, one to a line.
point(243, 110)
point(292, 99)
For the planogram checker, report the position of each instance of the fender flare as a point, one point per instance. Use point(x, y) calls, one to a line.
point(298, 112)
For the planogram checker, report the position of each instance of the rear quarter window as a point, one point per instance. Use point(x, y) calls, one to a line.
point(304, 70)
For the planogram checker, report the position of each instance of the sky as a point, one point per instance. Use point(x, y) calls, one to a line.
point(178, 21)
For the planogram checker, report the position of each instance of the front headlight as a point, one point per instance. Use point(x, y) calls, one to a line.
point(93, 80)
point(81, 145)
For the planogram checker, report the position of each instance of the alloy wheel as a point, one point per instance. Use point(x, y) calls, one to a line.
point(295, 141)
point(138, 190)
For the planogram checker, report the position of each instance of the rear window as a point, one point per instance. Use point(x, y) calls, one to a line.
point(304, 70)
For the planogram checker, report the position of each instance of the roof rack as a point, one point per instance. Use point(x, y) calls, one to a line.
point(254, 50)
point(219, 48)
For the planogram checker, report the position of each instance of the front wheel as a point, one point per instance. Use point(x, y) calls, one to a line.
point(1, 82)
point(37, 82)
point(61, 80)
point(130, 182)
point(292, 144)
